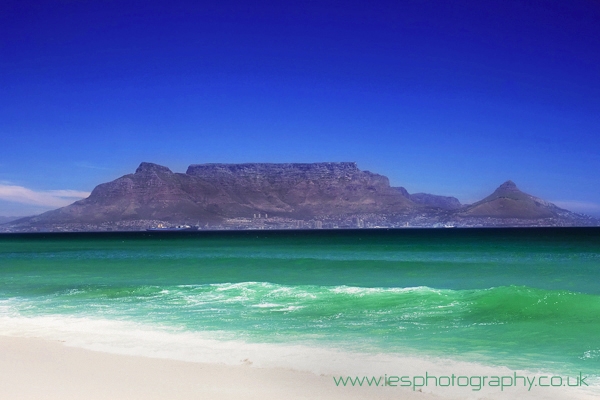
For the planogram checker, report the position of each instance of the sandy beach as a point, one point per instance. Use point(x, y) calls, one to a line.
point(33, 368)
point(283, 317)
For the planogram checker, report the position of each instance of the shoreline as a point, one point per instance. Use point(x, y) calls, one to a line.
point(34, 368)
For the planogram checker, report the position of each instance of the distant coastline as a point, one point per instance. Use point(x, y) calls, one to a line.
point(263, 196)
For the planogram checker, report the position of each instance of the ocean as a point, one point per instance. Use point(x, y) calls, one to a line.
point(328, 301)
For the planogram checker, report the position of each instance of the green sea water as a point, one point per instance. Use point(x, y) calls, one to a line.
point(520, 298)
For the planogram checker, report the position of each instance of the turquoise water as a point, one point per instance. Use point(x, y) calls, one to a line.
point(520, 298)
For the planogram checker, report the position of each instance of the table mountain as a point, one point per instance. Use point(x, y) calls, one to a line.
point(335, 194)
point(212, 192)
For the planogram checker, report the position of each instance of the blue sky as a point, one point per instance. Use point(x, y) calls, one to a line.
point(443, 97)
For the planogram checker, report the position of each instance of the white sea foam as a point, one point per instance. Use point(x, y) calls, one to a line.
point(130, 338)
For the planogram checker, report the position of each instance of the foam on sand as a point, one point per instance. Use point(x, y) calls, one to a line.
point(198, 348)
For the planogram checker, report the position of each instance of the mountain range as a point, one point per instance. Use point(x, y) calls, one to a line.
point(263, 195)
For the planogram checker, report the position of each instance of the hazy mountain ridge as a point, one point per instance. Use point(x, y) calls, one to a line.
point(213, 195)
point(431, 200)
point(4, 219)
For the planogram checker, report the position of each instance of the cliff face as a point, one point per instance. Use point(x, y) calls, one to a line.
point(211, 192)
point(300, 190)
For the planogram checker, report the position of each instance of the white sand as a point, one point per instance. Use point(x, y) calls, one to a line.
point(38, 369)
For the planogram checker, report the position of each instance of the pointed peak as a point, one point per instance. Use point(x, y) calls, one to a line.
point(508, 185)
point(151, 167)
point(507, 190)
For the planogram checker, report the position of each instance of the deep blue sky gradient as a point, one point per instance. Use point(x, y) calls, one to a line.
point(445, 97)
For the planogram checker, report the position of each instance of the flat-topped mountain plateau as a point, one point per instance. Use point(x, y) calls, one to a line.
point(284, 196)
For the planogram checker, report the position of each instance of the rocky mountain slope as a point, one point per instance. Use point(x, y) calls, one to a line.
point(212, 192)
point(508, 201)
point(216, 194)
